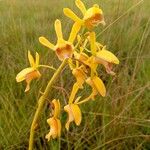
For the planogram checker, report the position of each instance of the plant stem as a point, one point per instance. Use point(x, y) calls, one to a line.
point(103, 123)
point(46, 66)
point(41, 102)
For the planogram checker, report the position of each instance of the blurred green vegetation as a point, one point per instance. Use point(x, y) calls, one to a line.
point(121, 121)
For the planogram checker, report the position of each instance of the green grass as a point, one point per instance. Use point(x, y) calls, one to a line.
point(120, 121)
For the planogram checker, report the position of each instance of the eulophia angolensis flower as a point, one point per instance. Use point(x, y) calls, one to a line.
point(30, 73)
point(84, 54)
point(91, 17)
point(54, 121)
point(64, 49)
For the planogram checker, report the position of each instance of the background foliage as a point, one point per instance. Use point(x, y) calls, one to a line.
point(120, 121)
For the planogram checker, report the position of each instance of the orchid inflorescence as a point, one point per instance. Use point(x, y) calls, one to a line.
point(83, 54)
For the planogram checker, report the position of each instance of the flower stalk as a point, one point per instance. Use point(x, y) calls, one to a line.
point(41, 102)
point(83, 53)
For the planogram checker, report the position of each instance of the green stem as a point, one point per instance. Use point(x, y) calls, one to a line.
point(46, 66)
point(41, 102)
point(103, 122)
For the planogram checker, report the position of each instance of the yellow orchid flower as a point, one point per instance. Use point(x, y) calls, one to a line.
point(97, 87)
point(101, 55)
point(64, 49)
point(80, 76)
point(30, 73)
point(74, 114)
point(106, 58)
point(55, 128)
point(91, 17)
point(54, 122)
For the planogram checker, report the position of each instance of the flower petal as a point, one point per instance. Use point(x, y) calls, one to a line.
point(80, 76)
point(75, 29)
point(76, 113)
point(30, 76)
point(31, 59)
point(98, 83)
point(46, 43)
point(58, 29)
point(21, 75)
point(93, 17)
point(81, 6)
point(107, 56)
point(94, 89)
point(74, 92)
point(69, 13)
point(37, 59)
point(93, 11)
point(67, 109)
point(59, 127)
point(55, 128)
point(56, 108)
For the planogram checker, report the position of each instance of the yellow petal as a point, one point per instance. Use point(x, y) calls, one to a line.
point(37, 59)
point(98, 83)
point(107, 56)
point(58, 29)
point(92, 12)
point(67, 109)
point(21, 75)
point(81, 6)
point(46, 43)
point(56, 108)
point(76, 113)
point(93, 17)
point(94, 90)
point(75, 29)
point(31, 59)
point(74, 91)
point(93, 43)
point(55, 128)
point(69, 13)
point(30, 76)
point(59, 127)
point(80, 76)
